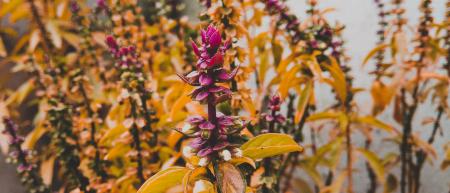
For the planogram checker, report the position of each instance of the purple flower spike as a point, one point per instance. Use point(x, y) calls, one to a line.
point(211, 136)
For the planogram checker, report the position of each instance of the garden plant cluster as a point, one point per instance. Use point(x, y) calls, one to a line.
point(143, 96)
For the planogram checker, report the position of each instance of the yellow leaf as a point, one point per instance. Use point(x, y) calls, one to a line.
point(270, 144)
point(382, 96)
point(34, 136)
point(4, 144)
point(112, 133)
point(339, 83)
point(9, 7)
point(284, 85)
point(230, 179)
point(374, 162)
point(303, 101)
point(46, 170)
point(284, 63)
point(35, 38)
point(21, 93)
point(336, 186)
point(373, 52)
point(241, 160)
point(72, 39)
point(55, 34)
point(2, 48)
point(179, 104)
point(21, 12)
point(323, 115)
point(117, 151)
point(374, 122)
point(164, 180)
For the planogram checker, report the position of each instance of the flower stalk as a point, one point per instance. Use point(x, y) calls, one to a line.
point(28, 171)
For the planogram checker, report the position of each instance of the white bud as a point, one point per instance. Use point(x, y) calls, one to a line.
point(186, 128)
point(237, 152)
point(187, 152)
point(200, 186)
point(203, 162)
point(226, 155)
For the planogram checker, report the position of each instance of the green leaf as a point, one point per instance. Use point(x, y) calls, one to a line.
point(374, 162)
point(270, 144)
point(164, 180)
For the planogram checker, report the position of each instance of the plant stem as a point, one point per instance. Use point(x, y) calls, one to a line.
point(137, 142)
point(97, 162)
point(349, 159)
point(371, 174)
point(41, 26)
point(421, 155)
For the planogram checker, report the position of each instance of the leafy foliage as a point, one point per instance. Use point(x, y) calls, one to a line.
point(137, 96)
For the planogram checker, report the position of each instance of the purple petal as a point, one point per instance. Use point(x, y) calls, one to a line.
point(205, 152)
point(205, 79)
point(195, 48)
point(192, 74)
point(269, 118)
point(226, 121)
point(197, 143)
point(203, 34)
point(206, 125)
point(195, 120)
point(217, 89)
point(224, 76)
point(217, 59)
point(280, 118)
point(215, 39)
point(220, 146)
point(201, 96)
point(203, 64)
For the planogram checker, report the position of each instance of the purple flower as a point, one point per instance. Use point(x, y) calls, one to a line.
point(101, 4)
point(274, 106)
point(209, 67)
point(74, 7)
point(23, 168)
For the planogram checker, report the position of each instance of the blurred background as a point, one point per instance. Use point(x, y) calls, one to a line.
point(360, 19)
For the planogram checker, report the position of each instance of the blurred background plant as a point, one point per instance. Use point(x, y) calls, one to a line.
point(93, 88)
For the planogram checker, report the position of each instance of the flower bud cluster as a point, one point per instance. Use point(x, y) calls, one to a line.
point(126, 55)
point(201, 130)
point(210, 67)
point(274, 106)
point(17, 155)
point(218, 135)
point(317, 37)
